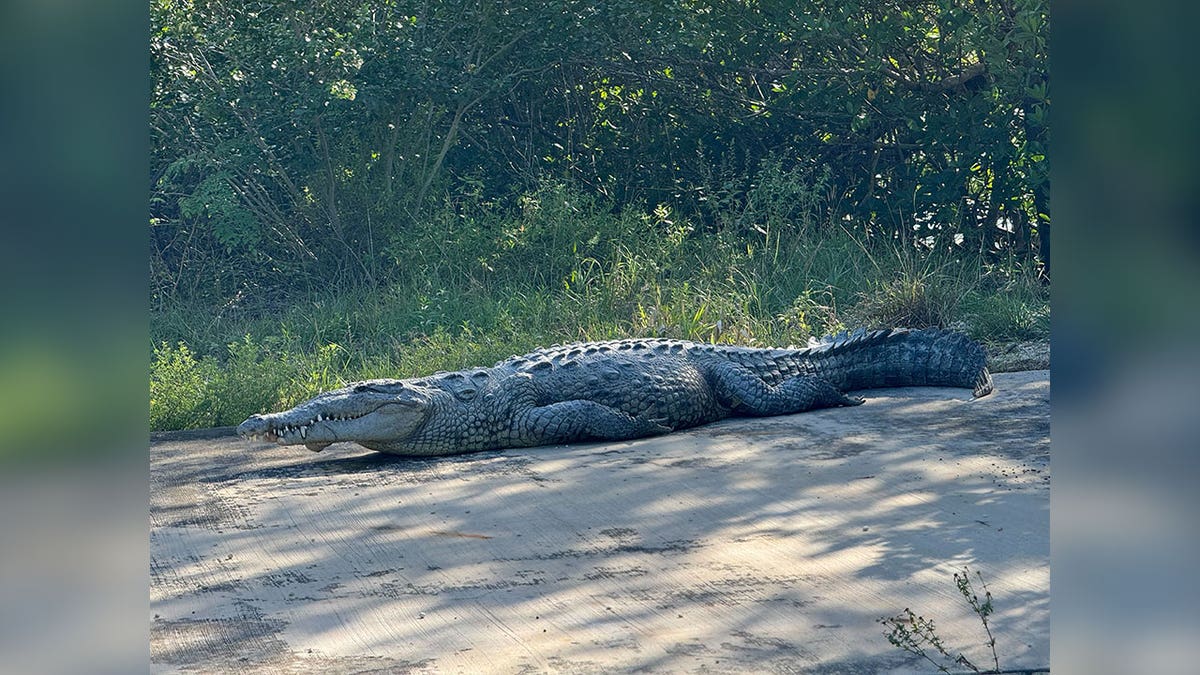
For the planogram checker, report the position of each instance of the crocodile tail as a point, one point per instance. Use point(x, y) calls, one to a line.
point(899, 357)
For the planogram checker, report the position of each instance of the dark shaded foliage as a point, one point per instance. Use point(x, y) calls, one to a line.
point(298, 145)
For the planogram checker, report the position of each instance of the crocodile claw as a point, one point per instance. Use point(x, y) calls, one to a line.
point(657, 425)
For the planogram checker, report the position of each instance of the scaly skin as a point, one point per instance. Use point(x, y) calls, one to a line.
point(619, 390)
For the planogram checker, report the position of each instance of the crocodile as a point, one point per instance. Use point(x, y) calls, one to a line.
point(619, 390)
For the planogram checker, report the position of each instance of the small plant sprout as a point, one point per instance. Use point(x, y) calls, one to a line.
point(982, 610)
point(918, 636)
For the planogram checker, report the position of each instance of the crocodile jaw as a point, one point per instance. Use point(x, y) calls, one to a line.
point(343, 415)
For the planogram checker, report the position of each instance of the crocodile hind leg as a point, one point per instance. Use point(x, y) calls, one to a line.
point(747, 394)
point(575, 420)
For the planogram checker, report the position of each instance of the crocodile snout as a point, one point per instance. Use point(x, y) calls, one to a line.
point(252, 426)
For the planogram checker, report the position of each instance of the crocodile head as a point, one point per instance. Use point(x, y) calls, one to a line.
point(362, 412)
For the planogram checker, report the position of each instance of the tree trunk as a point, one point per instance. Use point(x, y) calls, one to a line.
point(447, 143)
point(1044, 249)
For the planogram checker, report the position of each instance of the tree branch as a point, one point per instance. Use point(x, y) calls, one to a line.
point(945, 84)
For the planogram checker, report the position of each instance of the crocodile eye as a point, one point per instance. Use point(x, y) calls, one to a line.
point(362, 389)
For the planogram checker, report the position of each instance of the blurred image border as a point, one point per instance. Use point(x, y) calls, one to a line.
point(1125, 361)
point(73, 423)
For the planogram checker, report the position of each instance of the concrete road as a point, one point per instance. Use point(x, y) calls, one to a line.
point(751, 545)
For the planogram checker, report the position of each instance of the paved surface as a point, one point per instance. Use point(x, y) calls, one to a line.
point(751, 545)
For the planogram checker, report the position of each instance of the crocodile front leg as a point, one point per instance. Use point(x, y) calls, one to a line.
point(575, 420)
point(744, 393)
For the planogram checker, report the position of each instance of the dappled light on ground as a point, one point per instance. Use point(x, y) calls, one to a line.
point(753, 544)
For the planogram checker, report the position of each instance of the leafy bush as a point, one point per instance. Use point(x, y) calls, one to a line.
point(249, 382)
point(310, 146)
point(324, 370)
point(180, 389)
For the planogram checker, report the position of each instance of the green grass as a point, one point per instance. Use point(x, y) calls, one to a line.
point(474, 287)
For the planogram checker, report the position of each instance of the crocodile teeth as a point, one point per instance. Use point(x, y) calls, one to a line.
point(304, 431)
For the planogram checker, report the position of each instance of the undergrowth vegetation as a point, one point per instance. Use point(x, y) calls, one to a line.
point(348, 190)
point(476, 283)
